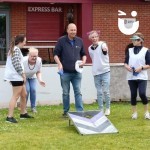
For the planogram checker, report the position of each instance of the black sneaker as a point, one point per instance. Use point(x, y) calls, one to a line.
point(11, 120)
point(64, 115)
point(25, 116)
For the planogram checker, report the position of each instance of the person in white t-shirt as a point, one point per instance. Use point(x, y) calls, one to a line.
point(32, 68)
point(98, 52)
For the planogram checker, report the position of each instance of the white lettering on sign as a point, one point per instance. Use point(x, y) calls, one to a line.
point(44, 9)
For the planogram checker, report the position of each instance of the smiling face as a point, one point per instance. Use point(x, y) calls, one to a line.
point(33, 54)
point(72, 31)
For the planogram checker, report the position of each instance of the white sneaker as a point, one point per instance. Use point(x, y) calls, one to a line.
point(34, 110)
point(107, 112)
point(147, 115)
point(134, 115)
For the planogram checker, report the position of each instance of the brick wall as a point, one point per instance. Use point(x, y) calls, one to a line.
point(18, 25)
point(18, 19)
point(105, 19)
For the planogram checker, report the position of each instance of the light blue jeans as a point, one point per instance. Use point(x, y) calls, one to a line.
point(75, 79)
point(102, 83)
point(31, 89)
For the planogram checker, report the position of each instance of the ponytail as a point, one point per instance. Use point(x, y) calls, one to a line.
point(15, 41)
point(12, 45)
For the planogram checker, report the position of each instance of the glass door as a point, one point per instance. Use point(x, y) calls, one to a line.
point(4, 35)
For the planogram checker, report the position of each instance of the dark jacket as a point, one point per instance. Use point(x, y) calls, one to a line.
point(69, 52)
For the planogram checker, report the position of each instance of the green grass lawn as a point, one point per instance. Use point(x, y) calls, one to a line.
point(49, 131)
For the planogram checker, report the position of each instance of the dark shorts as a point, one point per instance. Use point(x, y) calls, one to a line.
point(17, 83)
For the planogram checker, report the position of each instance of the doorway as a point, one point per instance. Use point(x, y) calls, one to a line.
point(4, 35)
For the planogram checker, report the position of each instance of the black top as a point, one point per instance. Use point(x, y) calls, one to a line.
point(69, 52)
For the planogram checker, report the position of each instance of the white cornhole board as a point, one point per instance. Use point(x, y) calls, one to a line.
point(91, 122)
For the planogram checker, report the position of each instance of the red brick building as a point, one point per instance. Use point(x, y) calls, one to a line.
point(43, 21)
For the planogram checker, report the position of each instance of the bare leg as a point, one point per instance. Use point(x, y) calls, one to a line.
point(16, 93)
point(147, 114)
point(134, 110)
point(146, 108)
point(23, 102)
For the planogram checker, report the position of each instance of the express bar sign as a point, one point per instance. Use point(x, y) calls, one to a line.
point(44, 9)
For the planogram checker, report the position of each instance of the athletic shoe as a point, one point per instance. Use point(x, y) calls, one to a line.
point(107, 112)
point(147, 115)
point(34, 110)
point(11, 120)
point(25, 116)
point(134, 115)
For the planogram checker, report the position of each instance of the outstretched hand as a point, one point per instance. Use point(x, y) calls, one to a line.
point(42, 83)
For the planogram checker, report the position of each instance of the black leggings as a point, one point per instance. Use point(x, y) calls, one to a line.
point(134, 86)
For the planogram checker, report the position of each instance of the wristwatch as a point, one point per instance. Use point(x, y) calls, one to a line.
point(142, 68)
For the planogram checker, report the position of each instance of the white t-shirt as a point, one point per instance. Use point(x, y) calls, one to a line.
point(31, 70)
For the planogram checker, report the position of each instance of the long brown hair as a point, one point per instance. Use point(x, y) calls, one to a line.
point(15, 41)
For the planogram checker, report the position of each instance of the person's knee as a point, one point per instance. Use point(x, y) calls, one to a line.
point(33, 91)
point(144, 99)
point(65, 94)
point(106, 93)
point(77, 92)
point(23, 97)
